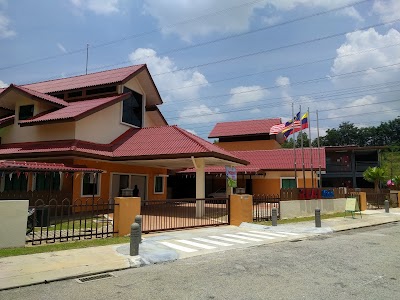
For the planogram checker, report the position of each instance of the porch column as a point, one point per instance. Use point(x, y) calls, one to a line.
point(199, 165)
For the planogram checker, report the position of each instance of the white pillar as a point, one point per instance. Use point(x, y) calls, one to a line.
point(199, 164)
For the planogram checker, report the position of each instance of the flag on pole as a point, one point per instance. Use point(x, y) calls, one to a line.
point(276, 129)
point(304, 121)
point(299, 124)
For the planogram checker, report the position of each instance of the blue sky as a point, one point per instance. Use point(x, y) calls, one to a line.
point(216, 61)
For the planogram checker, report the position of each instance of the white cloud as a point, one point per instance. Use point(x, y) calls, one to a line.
point(357, 43)
point(351, 12)
point(241, 95)
point(171, 81)
point(388, 10)
point(272, 20)
point(255, 111)
point(3, 84)
point(62, 48)
point(282, 81)
point(223, 16)
point(200, 114)
point(173, 11)
point(5, 31)
point(99, 7)
point(191, 131)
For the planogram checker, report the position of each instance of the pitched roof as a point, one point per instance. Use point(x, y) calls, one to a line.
point(23, 166)
point(270, 160)
point(135, 144)
point(89, 80)
point(75, 110)
point(7, 121)
point(238, 128)
point(35, 94)
point(165, 140)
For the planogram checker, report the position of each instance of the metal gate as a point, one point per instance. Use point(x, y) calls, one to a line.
point(159, 215)
point(62, 221)
point(263, 205)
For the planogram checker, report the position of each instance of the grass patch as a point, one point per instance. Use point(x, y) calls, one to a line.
point(62, 246)
point(303, 219)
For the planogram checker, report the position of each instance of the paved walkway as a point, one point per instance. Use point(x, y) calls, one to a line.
point(167, 246)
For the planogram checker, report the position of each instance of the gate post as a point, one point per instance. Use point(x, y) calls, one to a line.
point(241, 209)
point(125, 211)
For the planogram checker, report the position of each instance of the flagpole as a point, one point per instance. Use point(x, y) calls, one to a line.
point(294, 147)
point(311, 148)
point(319, 154)
point(302, 152)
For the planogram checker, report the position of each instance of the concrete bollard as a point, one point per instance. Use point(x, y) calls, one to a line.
point(138, 219)
point(135, 239)
point(317, 217)
point(386, 206)
point(274, 217)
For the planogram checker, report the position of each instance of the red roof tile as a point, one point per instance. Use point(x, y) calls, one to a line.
point(278, 159)
point(42, 96)
point(6, 121)
point(164, 140)
point(239, 128)
point(36, 94)
point(134, 144)
point(23, 166)
point(93, 79)
point(75, 110)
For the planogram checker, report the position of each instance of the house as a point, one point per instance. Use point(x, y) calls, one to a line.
point(270, 166)
point(108, 121)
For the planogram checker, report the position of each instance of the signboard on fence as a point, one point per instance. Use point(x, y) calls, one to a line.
point(231, 176)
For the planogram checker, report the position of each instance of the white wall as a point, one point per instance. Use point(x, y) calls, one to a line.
point(13, 219)
point(103, 126)
point(306, 208)
point(16, 134)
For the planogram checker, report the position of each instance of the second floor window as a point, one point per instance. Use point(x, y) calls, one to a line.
point(132, 110)
point(25, 112)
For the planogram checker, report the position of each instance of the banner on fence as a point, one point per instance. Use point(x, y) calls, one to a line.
point(231, 176)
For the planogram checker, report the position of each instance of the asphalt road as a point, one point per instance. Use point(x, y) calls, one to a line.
point(357, 264)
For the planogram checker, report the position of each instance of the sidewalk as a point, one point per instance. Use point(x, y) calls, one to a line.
point(46, 267)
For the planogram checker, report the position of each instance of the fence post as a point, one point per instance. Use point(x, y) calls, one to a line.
point(317, 217)
point(386, 205)
point(274, 217)
point(134, 240)
point(138, 220)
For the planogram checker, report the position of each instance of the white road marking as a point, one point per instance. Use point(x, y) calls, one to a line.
point(243, 237)
point(288, 233)
point(177, 247)
point(270, 233)
point(195, 244)
point(227, 239)
point(257, 235)
point(212, 242)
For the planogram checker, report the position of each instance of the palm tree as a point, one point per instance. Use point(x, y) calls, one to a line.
point(375, 175)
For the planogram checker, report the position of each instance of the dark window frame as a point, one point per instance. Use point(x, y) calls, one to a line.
point(26, 112)
point(87, 186)
point(132, 109)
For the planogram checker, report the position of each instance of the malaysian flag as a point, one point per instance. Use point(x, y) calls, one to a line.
point(276, 129)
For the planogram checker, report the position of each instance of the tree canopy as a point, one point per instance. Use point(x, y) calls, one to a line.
point(386, 134)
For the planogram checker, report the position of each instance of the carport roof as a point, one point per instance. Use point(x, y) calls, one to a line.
point(165, 147)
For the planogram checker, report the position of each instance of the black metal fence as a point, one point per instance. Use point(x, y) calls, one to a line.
point(56, 221)
point(263, 205)
point(159, 215)
point(377, 200)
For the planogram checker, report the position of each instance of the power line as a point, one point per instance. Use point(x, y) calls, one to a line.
point(291, 84)
point(188, 21)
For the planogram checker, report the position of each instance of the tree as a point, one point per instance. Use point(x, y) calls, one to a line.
point(289, 142)
point(375, 175)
